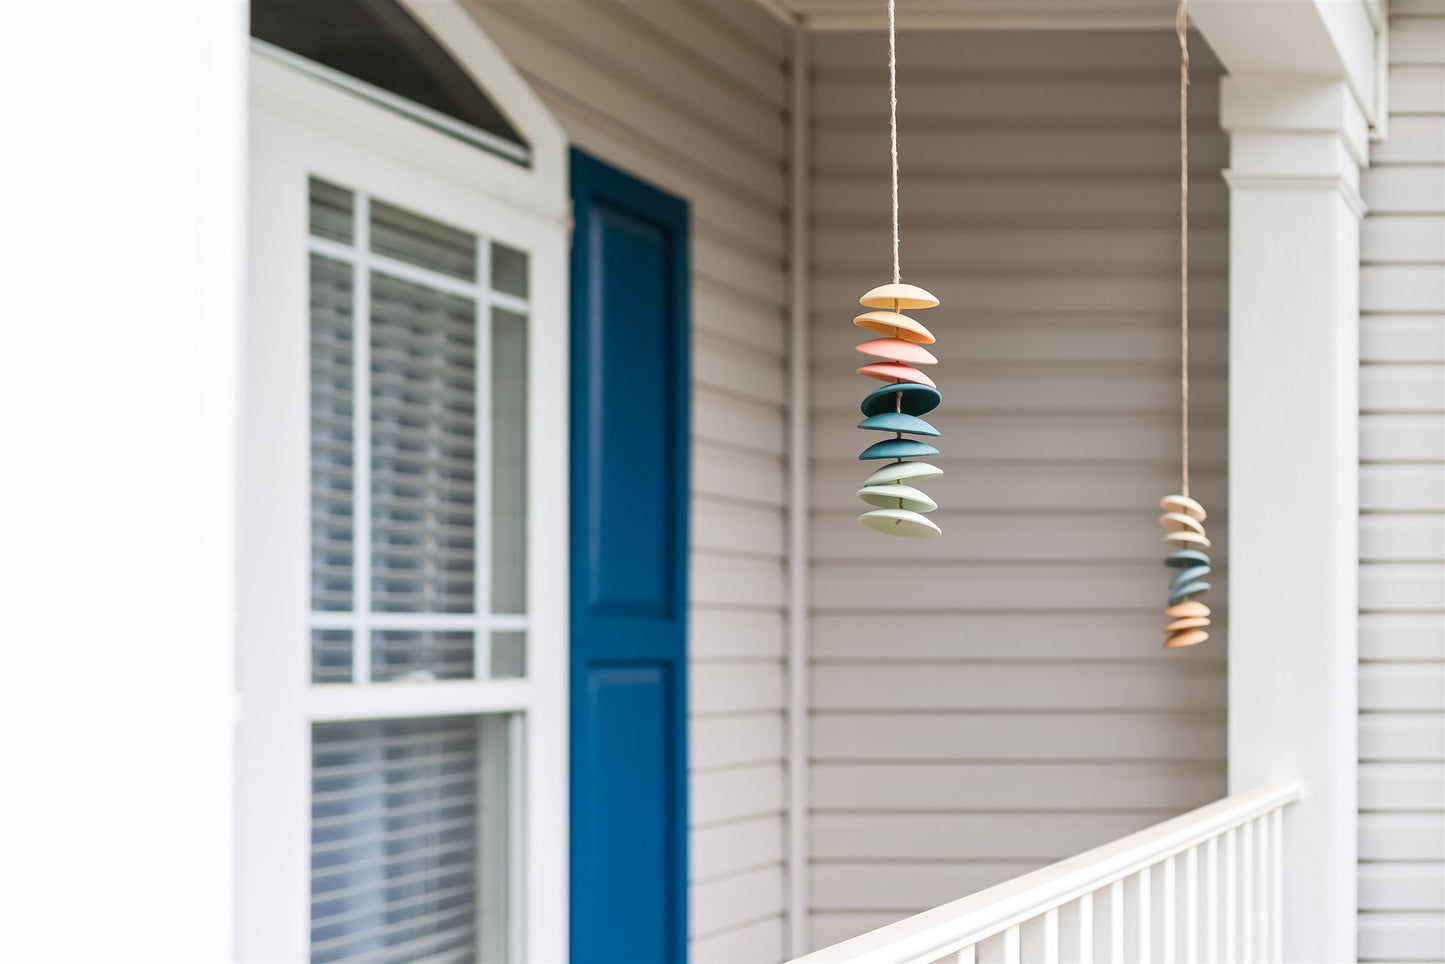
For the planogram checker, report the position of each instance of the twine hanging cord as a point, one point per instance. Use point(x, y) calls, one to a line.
point(893, 129)
point(1181, 27)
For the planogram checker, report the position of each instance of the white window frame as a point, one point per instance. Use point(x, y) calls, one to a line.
point(300, 128)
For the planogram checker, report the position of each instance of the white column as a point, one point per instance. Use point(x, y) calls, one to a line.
point(120, 249)
point(1297, 144)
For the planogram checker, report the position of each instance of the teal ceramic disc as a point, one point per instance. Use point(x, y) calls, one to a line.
point(1185, 558)
point(897, 448)
point(917, 399)
point(1188, 592)
point(1186, 576)
point(898, 422)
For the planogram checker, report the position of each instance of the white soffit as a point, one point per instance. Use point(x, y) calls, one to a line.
point(979, 14)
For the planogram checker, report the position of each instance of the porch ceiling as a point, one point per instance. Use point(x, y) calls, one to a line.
point(980, 14)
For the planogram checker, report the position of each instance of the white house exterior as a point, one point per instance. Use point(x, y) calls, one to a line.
point(870, 733)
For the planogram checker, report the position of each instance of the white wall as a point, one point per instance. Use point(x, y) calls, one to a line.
point(1402, 502)
point(692, 97)
point(122, 254)
point(996, 699)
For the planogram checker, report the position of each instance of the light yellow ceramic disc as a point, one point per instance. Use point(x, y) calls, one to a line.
point(900, 522)
point(1179, 522)
point(893, 495)
point(1187, 539)
point(1186, 638)
point(903, 472)
point(898, 297)
point(1184, 610)
point(1182, 503)
point(894, 325)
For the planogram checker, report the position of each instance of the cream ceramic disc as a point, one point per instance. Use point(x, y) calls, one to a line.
point(1182, 503)
point(893, 495)
point(898, 296)
point(1189, 622)
point(892, 371)
point(1187, 610)
point(1187, 638)
point(1186, 539)
point(1179, 522)
point(903, 472)
point(896, 349)
point(900, 522)
point(894, 325)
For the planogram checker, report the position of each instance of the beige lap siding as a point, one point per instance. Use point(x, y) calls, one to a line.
point(1402, 506)
point(691, 97)
point(996, 699)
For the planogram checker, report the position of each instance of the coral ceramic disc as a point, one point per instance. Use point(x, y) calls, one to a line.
point(896, 448)
point(916, 400)
point(896, 349)
point(1184, 558)
point(903, 472)
point(1187, 591)
point(1192, 622)
point(1187, 539)
point(1187, 609)
point(1187, 638)
point(901, 522)
point(891, 371)
point(1179, 522)
point(898, 296)
point(1184, 504)
point(896, 496)
point(898, 422)
point(894, 325)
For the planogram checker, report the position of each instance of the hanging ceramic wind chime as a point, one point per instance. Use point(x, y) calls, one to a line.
point(1183, 518)
point(897, 406)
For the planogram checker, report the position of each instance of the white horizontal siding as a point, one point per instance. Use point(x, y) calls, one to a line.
point(1402, 503)
point(996, 699)
point(692, 98)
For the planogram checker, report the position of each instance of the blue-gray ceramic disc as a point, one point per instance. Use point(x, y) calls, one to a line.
point(897, 448)
point(917, 399)
point(1188, 592)
point(1186, 576)
point(898, 422)
point(1185, 558)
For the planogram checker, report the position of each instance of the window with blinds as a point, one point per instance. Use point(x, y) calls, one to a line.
point(418, 481)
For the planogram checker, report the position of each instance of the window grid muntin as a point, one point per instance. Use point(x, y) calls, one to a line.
point(362, 620)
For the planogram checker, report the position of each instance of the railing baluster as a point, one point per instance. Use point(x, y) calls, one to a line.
point(1168, 914)
point(1116, 922)
point(1039, 938)
point(1191, 906)
point(1246, 893)
point(967, 956)
point(1276, 885)
point(1001, 948)
point(1211, 901)
point(1231, 898)
point(1145, 914)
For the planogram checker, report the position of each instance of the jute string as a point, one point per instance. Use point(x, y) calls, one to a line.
point(1181, 27)
point(893, 129)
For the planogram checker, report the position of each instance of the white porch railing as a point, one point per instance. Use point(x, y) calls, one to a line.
point(1203, 887)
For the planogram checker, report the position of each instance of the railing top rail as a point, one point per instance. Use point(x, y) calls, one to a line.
point(927, 936)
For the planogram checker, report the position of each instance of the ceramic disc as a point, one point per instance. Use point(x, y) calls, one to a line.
point(900, 522)
point(1185, 609)
point(896, 349)
point(897, 448)
point(903, 472)
point(1182, 503)
point(894, 325)
point(1184, 558)
point(1187, 539)
point(1193, 622)
point(1179, 522)
point(1187, 591)
point(895, 496)
point(892, 371)
point(898, 422)
point(1186, 638)
point(915, 400)
point(898, 296)
point(1186, 576)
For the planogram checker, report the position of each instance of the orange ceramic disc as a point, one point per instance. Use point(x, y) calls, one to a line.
point(1187, 638)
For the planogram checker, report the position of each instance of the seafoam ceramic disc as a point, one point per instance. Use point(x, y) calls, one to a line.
point(916, 399)
point(1186, 609)
point(894, 325)
point(1186, 576)
point(897, 448)
point(901, 522)
point(896, 349)
point(1179, 522)
point(1187, 539)
point(898, 422)
point(898, 296)
point(1186, 638)
point(1184, 558)
point(892, 371)
point(1184, 504)
point(1184, 592)
point(892, 495)
point(903, 472)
